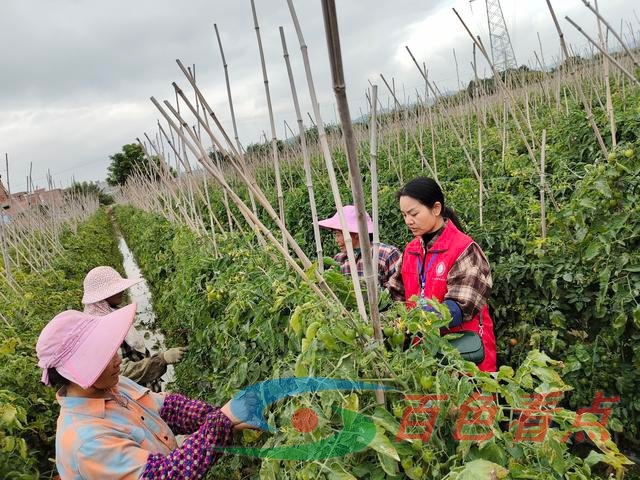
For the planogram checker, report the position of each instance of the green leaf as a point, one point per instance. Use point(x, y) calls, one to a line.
point(586, 202)
point(383, 445)
point(389, 465)
point(337, 472)
point(592, 251)
point(482, 470)
point(295, 322)
point(386, 420)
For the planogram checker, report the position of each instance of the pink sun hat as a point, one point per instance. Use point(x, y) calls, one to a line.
point(80, 346)
point(104, 282)
point(351, 216)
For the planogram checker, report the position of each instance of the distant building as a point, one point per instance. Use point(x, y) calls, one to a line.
point(21, 201)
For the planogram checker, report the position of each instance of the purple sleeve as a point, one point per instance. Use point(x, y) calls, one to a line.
point(184, 415)
point(196, 455)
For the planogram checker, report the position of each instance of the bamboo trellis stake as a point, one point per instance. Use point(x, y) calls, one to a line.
point(623, 44)
point(274, 139)
point(259, 194)
point(578, 84)
point(479, 132)
point(215, 142)
point(373, 156)
point(250, 217)
point(510, 102)
point(605, 72)
point(449, 121)
point(329, 164)
point(543, 214)
point(339, 87)
point(629, 75)
point(233, 113)
point(305, 154)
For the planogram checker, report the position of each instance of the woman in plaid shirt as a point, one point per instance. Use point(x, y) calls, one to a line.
point(110, 427)
point(388, 256)
point(443, 263)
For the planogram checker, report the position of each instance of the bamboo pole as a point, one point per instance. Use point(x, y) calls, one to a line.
point(510, 102)
point(6, 159)
point(585, 103)
point(251, 184)
point(339, 87)
point(274, 140)
point(623, 44)
point(329, 164)
point(448, 119)
point(228, 83)
point(233, 113)
point(479, 132)
point(196, 113)
point(305, 154)
point(248, 214)
point(629, 75)
point(605, 72)
point(373, 156)
point(543, 214)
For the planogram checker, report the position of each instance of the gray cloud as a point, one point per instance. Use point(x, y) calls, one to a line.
point(77, 75)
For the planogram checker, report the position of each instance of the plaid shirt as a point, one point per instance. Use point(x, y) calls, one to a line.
point(131, 436)
point(389, 261)
point(468, 282)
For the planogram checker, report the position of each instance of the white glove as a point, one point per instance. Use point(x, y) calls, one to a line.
point(174, 355)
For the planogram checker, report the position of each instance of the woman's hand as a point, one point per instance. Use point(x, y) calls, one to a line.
point(245, 409)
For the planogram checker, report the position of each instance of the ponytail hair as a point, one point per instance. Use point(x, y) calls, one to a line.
point(427, 191)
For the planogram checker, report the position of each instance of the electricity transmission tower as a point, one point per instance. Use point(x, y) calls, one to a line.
point(502, 54)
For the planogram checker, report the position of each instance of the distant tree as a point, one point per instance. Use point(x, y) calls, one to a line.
point(123, 164)
point(91, 188)
point(261, 149)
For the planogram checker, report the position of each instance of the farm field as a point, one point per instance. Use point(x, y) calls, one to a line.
point(541, 165)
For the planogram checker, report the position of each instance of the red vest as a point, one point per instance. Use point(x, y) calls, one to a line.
point(435, 267)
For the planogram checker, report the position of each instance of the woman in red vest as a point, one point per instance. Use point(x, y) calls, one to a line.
point(442, 262)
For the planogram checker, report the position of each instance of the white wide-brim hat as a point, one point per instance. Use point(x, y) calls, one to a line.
point(104, 282)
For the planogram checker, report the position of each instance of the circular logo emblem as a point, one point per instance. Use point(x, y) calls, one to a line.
point(440, 268)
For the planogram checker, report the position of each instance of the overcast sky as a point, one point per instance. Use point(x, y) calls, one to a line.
point(77, 75)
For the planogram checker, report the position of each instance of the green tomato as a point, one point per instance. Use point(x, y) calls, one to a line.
point(415, 473)
point(628, 153)
point(397, 339)
point(406, 463)
point(426, 382)
point(388, 331)
point(350, 334)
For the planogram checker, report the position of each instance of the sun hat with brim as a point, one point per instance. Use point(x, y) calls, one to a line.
point(351, 216)
point(80, 346)
point(104, 282)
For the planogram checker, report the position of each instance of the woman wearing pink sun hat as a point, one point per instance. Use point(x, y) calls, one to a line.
point(389, 257)
point(103, 292)
point(109, 426)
